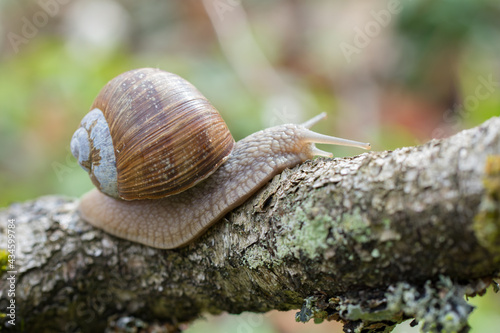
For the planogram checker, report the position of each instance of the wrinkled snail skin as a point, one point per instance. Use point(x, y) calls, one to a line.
point(177, 220)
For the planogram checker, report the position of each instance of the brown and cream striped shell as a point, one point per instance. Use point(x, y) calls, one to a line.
point(150, 134)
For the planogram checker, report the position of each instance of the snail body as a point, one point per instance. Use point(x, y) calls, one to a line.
point(176, 219)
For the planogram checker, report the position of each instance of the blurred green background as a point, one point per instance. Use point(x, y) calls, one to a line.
point(393, 73)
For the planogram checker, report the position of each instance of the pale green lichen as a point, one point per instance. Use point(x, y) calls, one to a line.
point(358, 312)
point(310, 311)
point(375, 253)
point(386, 223)
point(299, 235)
point(257, 256)
point(304, 234)
point(308, 232)
point(440, 307)
point(355, 225)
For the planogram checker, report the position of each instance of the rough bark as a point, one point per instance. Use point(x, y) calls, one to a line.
point(346, 238)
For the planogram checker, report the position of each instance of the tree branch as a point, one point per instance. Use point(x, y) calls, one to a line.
point(344, 239)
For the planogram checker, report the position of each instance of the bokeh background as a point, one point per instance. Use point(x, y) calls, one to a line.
point(393, 73)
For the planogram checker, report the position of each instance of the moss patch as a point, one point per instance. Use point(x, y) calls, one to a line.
point(487, 221)
point(4, 258)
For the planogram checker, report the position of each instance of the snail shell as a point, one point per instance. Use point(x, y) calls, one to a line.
point(150, 134)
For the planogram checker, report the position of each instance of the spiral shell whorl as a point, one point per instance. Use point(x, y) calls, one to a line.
point(93, 148)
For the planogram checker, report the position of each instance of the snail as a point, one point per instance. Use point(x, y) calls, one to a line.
point(165, 164)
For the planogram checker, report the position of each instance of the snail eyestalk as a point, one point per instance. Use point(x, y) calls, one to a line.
point(314, 137)
point(331, 140)
point(313, 121)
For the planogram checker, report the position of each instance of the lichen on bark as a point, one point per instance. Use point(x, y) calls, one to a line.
point(343, 229)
